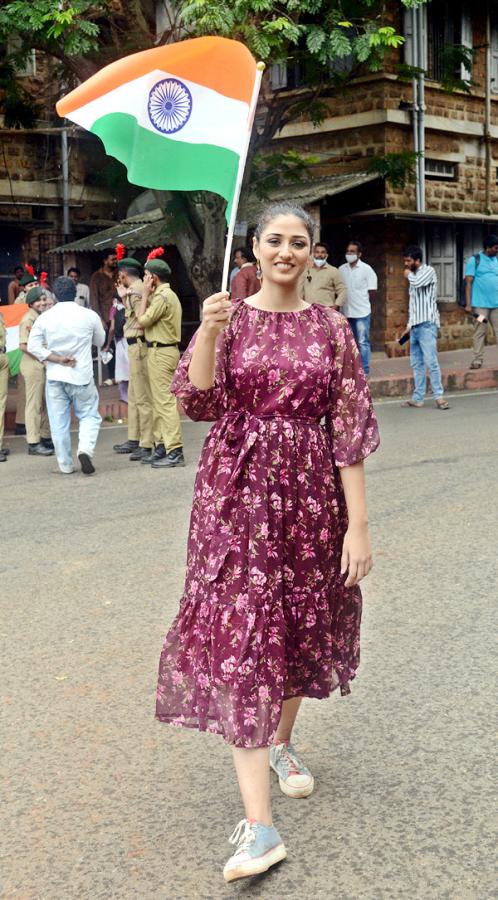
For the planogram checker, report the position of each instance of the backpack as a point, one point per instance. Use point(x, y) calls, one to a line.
point(119, 323)
point(462, 300)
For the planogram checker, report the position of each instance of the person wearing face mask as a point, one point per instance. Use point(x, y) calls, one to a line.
point(321, 282)
point(361, 285)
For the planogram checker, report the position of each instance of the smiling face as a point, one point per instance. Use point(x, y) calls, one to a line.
point(283, 249)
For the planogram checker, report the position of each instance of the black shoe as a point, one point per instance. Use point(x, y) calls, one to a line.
point(5, 451)
point(159, 453)
point(3, 457)
point(20, 429)
point(141, 453)
point(127, 447)
point(39, 450)
point(87, 466)
point(47, 442)
point(175, 458)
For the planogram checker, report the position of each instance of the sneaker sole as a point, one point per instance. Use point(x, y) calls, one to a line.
point(87, 466)
point(256, 866)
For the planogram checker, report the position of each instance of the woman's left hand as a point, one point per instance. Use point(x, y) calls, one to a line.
point(356, 557)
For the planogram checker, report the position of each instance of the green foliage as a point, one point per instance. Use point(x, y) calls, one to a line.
point(396, 168)
point(455, 56)
point(273, 170)
point(63, 26)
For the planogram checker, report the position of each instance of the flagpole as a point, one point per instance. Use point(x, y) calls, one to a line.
point(240, 177)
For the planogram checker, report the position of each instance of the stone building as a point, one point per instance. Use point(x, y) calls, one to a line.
point(372, 117)
point(43, 202)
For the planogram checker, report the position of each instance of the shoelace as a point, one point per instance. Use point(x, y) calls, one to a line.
point(289, 761)
point(243, 835)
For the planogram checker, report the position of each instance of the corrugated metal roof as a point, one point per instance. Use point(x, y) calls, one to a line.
point(305, 193)
point(145, 230)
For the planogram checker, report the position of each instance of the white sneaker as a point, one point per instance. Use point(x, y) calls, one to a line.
point(294, 778)
point(258, 848)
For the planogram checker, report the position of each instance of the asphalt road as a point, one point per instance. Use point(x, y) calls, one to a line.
point(100, 801)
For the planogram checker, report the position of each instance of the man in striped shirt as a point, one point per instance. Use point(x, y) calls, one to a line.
point(423, 324)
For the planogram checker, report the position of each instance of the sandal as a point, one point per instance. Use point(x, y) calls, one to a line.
point(412, 403)
point(442, 404)
point(475, 364)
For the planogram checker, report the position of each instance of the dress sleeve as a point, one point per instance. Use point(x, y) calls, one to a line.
point(351, 420)
point(202, 405)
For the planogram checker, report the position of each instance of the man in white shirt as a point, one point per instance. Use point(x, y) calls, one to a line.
point(361, 285)
point(62, 337)
point(82, 290)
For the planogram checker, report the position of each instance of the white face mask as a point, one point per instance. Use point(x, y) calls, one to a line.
point(319, 262)
point(351, 257)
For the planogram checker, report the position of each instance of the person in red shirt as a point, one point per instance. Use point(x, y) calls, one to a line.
point(246, 282)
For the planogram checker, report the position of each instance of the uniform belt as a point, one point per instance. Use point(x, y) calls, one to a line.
point(159, 344)
point(135, 340)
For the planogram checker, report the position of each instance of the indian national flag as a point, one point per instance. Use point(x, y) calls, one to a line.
point(12, 316)
point(177, 116)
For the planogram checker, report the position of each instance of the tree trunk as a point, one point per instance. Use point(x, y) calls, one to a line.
point(197, 226)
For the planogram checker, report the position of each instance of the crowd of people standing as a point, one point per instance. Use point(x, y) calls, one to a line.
point(141, 319)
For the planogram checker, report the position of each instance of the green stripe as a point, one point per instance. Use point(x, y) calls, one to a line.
point(155, 161)
point(14, 359)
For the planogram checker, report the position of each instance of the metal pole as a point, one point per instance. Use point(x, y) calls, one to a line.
point(415, 104)
point(419, 13)
point(66, 228)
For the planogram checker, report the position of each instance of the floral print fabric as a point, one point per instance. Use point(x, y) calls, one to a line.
point(265, 615)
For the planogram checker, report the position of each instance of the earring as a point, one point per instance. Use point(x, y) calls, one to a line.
point(259, 273)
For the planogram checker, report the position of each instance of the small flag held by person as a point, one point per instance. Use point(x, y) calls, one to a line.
point(179, 117)
point(12, 316)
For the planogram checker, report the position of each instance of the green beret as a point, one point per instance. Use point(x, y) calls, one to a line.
point(27, 279)
point(129, 263)
point(158, 267)
point(34, 294)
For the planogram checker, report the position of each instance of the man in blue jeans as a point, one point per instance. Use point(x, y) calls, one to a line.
point(423, 324)
point(62, 337)
point(361, 286)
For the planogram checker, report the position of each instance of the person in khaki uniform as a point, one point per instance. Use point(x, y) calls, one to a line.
point(160, 315)
point(28, 281)
point(322, 283)
point(4, 387)
point(140, 417)
point(33, 372)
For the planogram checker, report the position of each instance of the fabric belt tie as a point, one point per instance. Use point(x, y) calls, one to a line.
point(135, 340)
point(159, 344)
point(242, 432)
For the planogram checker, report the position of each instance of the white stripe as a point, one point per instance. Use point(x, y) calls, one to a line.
point(12, 338)
point(215, 119)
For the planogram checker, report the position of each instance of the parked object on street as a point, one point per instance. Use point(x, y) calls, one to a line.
point(481, 295)
point(160, 315)
point(271, 609)
point(63, 337)
point(321, 282)
point(423, 324)
point(361, 285)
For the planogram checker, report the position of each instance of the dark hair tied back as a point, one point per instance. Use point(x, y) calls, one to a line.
point(284, 209)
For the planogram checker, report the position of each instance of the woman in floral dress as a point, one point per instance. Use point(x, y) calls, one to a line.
point(278, 536)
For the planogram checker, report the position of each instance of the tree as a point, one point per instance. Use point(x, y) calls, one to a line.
point(327, 43)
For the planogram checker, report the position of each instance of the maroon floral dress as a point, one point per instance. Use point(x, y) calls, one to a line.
point(265, 615)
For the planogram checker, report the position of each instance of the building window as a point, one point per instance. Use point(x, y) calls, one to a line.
point(445, 24)
point(442, 255)
point(439, 170)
